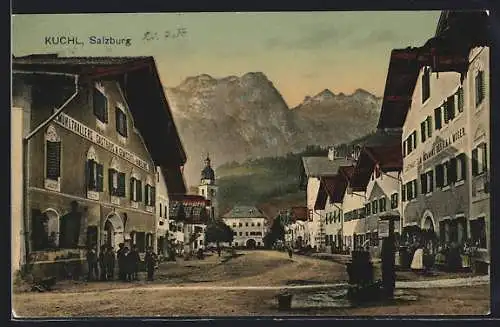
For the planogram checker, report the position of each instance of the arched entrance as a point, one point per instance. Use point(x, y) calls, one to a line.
point(52, 227)
point(428, 237)
point(251, 244)
point(113, 231)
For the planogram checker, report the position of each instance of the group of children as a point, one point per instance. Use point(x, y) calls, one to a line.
point(128, 263)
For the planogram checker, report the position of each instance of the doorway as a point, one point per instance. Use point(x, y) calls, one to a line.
point(113, 231)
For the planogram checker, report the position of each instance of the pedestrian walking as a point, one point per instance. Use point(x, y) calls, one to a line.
point(290, 252)
point(120, 254)
point(92, 264)
point(150, 260)
point(134, 262)
point(102, 263)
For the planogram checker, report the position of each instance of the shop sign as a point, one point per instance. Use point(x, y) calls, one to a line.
point(96, 138)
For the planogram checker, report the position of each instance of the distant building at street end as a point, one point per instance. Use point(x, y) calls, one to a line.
point(249, 225)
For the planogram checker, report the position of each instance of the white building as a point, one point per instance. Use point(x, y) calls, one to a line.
point(331, 205)
point(446, 136)
point(162, 214)
point(249, 225)
point(313, 168)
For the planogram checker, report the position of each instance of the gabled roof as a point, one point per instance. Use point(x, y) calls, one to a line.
point(323, 166)
point(244, 212)
point(144, 93)
point(456, 34)
point(299, 213)
point(382, 149)
point(327, 187)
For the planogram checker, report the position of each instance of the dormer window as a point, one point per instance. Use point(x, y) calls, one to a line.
point(100, 103)
point(426, 84)
point(121, 122)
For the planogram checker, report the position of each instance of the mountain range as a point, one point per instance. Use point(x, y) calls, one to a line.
point(238, 118)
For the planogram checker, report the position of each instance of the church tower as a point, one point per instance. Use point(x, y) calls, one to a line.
point(208, 188)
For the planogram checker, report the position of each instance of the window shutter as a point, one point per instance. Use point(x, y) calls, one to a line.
point(437, 118)
point(485, 156)
point(100, 103)
point(53, 160)
point(475, 163)
point(452, 170)
point(460, 99)
point(429, 126)
point(430, 187)
point(423, 182)
point(414, 140)
point(87, 174)
point(138, 189)
point(439, 176)
point(446, 113)
point(451, 107)
point(146, 194)
point(423, 132)
point(403, 193)
point(121, 184)
point(415, 188)
point(132, 189)
point(92, 182)
point(482, 86)
point(111, 173)
point(463, 166)
point(153, 195)
point(100, 177)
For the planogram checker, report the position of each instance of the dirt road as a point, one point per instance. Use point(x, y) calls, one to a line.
point(241, 286)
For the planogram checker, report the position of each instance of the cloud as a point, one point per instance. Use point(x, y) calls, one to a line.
point(380, 36)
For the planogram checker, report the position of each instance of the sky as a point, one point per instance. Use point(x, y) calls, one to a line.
point(302, 53)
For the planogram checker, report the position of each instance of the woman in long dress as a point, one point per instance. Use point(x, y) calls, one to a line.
point(418, 259)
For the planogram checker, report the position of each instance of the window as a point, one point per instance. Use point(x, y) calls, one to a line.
point(478, 232)
point(121, 122)
point(235, 233)
point(203, 192)
point(414, 138)
point(449, 109)
point(423, 183)
point(461, 167)
point(234, 224)
point(437, 118)
point(430, 181)
point(52, 154)
point(240, 225)
point(246, 233)
point(382, 205)
point(140, 241)
point(411, 190)
point(149, 195)
point(394, 200)
point(452, 171)
point(446, 178)
point(403, 192)
point(460, 99)
point(480, 89)
point(246, 224)
point(375, 207)
point(368, 209)
point(479, 159)
point(258, 224)
point(136, 191)
point(116, 182)
point(241, 233)
point(160, 210)
point(253, 224)
point(100, 103)
point(94, 175)
point(404, 149)
point(426, 84)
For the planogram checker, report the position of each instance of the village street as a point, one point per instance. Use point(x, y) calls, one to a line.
point(242, 285)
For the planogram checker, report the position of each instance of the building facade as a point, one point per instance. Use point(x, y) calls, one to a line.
point(89, 171)
point(249, 225)
point(162, 214)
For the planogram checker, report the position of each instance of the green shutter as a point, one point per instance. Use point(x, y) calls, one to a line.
point(452, 170)
point(423, 182)
point(423, 132)
point(437, 118)
point(111, 172)
point(87, 175)
point(451, 107)
point(439, 176)
point(430, 187)
point(475, 163)
point(485, 156)
point(429, 126)
point(121, 184)
point(139, 190)
point(460, 99)
point(92, 182)
point(463, 165)
point(100, 177)
point(53, 160)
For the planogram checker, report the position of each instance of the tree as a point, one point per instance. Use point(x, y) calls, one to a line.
point(217, 232)
point(276, 232)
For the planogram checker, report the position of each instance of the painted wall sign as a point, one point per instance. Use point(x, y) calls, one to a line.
point(96, 138)
point(443, 144)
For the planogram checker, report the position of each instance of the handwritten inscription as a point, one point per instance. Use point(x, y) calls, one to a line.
point(178, 33)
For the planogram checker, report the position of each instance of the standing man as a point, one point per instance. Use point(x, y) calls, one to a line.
point(150, 260)
point(92, 264)
point(110, 263)
point(120, 254)
point(102, 263)
point(135, 260)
